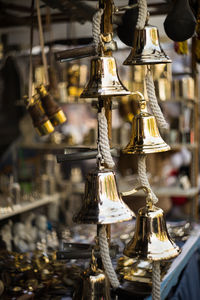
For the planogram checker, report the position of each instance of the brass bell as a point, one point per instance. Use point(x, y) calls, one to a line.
point(104, 79)
point(102, 203)
point(151, 239)
point(52, 109)
point(145, 134)
point(42, 124)
point(146, 48)
point(95, 284)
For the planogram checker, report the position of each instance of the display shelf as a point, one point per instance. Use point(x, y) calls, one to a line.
point(172, 192)
point(177, 266)
point(179, 146)
point(47, 199)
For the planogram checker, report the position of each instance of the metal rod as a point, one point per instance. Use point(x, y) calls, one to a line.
point(75, 53)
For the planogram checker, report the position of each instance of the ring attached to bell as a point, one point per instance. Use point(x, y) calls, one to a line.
point(145, 137)
point(104, 79)
point(102, 203)
point(146, 48)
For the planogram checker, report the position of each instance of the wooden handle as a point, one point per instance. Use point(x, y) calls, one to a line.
point(75, 53)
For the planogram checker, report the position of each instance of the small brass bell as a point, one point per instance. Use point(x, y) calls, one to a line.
point(52, 109)
point(151, 239)
point(146, 48)
point(104, 79)
point(145, 134)
point(42, 124)
point(95, 284)
point(102, 203)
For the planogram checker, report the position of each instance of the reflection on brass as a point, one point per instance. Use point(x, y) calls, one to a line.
point(95, 284)
point(146, 48)
point(44, 128)
point(102, 203)
point(145, 136)
point(104, 79)
point(151, 239)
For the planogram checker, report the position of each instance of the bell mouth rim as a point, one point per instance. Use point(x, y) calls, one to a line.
point(154, 257)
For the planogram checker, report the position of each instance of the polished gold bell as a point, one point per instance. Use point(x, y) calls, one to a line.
point(151, 239)
point(104, 79)
point(145, 137)
point(95, 284)
point(146, 48)
point(102, 203)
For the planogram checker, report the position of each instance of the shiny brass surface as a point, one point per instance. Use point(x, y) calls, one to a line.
point(151, 239)
point(145, 137)
point(58, 118)
point(102, 203)
point(95, 284)
point(146, 48)
point(104, 80)
point(44, 128)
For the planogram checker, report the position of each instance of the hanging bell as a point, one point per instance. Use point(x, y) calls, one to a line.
point(102, 203)
point(94, 286)
point(42, 124)
point(52, 109)
point(104, 79)
point(151, 239)
point(145, 134)
point(146, 48)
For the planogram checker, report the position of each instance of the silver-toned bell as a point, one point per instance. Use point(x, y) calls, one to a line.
point(146, 48)
point(102, 203)
point(145, 137)
point(151, 239)
point(104, 79)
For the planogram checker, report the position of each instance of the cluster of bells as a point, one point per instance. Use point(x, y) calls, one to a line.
point(44, 111)
point(102, 203)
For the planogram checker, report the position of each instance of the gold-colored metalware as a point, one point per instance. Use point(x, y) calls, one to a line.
point(151, 239)
point(104, 79)
point(95, 284)
point(42, 124)
point(52, 109)
point(146, 48)
point(102, 203)
point(145, 137)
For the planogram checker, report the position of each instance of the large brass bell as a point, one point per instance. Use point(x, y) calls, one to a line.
point(104, 79)
point(151, 239)
point(102, 203)
point(146, 48)
point(145, 134)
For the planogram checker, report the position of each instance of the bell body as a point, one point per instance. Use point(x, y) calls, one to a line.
point(146, 48)
point(145, 136)
point(102, 203)
point(151, 239)
point(104, 79)
point(95, 286)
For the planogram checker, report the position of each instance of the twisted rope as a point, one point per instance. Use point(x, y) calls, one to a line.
point(103, 139)
point(96, 30)
point(156, 280)
point(142, 15)
point(142, 173)
point(105, 256)
point(153, 102)
point(44, 59)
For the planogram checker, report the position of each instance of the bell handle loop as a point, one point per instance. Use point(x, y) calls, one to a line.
point(139, 94)
point(135, 190)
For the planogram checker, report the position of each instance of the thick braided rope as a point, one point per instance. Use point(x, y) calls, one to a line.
point(142, 15)
point(154, 102)
point(105, 256)
point(142, 173)
point(103, 139)
point(96, 30)
point(156, 280)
